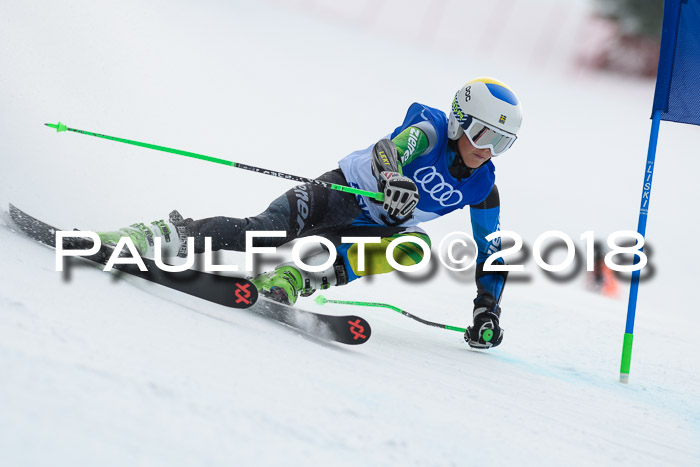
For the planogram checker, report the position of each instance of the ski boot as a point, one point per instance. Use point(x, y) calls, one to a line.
point(173, 234)
point(288, 282)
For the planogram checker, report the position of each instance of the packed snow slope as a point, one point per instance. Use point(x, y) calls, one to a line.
point(99, 371)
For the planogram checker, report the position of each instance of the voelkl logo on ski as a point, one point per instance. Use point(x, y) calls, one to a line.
point(246, 294)
point(357, 330)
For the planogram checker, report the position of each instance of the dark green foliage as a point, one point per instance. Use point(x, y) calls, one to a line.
point(636, 17)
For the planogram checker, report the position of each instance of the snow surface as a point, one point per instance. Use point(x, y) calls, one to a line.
point(97, 371)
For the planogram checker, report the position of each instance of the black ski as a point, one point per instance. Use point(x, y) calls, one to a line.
point(228, 291)
point(348, 329)
point(224, 290)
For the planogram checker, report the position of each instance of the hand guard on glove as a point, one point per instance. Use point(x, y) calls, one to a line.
point(486, 331)
point(400, 193)
point(400, 196)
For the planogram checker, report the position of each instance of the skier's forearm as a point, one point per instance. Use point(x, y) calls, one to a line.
point(485, 219)
point(491, 283)
point(410, 144)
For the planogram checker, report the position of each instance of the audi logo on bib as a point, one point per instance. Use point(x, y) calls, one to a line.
point(434, 184)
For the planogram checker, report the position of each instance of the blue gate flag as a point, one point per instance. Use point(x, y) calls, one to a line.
point(676, 99)
point(677, 93)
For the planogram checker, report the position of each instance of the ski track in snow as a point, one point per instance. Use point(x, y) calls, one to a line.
point(95, 370)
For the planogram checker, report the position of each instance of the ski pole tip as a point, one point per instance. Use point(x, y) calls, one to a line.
point(321, 300)
point(58, 126)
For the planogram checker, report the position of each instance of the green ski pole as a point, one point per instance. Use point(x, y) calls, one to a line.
point(370, 194)
point(321, 300)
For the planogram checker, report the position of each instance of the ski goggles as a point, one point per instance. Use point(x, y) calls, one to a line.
point(482, 135)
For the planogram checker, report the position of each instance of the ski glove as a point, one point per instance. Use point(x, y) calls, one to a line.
point(400, 193)
point(486, 331)
point(400, 196)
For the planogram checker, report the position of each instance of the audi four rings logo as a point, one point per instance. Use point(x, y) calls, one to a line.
point(434, 184)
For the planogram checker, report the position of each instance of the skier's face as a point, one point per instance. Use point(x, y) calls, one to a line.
point(472, 157)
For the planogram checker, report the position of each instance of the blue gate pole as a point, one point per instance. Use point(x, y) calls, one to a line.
point(641, 228)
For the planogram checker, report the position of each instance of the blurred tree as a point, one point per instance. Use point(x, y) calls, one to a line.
point(635, 17)
point(623, 36)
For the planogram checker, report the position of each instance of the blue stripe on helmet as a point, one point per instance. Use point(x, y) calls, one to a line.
point(502, 93)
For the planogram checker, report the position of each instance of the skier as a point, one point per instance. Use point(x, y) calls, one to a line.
point(427, 167)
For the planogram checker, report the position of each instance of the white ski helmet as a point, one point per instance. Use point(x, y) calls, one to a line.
point(488, 112)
